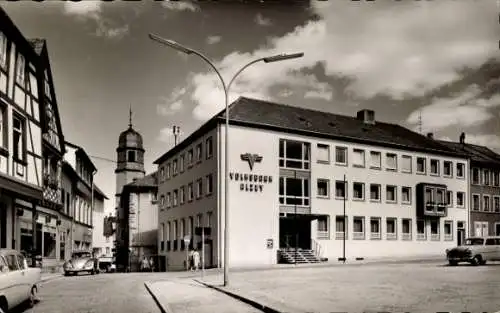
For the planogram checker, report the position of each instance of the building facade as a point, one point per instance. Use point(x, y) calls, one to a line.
point(141, 231)
point(101, 244)
point(404, 194)
point(484, 179)
point(31, 147)
point(82, 174)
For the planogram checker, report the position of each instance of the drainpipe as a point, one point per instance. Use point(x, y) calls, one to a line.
point(92, 212)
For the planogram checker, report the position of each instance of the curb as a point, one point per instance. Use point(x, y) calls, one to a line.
point(50, 278)
point(155, 299)
point(253, 303)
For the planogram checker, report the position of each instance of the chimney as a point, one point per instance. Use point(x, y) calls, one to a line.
point(430, 135)
point(462, 138)
point(367, 116)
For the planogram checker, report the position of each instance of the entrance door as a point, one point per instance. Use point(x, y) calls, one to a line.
point(295, 232)
point(497, 229)
point(481, 229)
point(460, 236)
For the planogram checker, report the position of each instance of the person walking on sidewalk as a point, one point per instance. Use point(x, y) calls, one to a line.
point(196, 259)
point(190, 261)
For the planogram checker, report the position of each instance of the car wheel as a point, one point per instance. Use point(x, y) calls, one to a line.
point(66, 274)
point(33, 297)
point(453, 263)
point(476, 260)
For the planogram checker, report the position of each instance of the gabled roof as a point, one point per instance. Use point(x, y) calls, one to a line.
point(148, 181)
point(477, 154)
point(291, 119)
point(81, 151)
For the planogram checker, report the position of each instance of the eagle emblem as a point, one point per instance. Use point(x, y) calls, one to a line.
point(251, 159)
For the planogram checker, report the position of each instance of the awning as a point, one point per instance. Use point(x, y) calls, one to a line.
point(20, 189)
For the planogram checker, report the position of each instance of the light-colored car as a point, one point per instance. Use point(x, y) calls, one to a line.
point(81, 261)
point(18, 282)
point(476, 251)
point(107, 264)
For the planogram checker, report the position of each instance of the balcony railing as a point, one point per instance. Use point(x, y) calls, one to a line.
point(406, 236)
point(321, 234)
point(340, 235)
point(358, 235)
point(434, 237)
point(391, 236)
point(375, 235)
point(448, 237)
point(421, 237)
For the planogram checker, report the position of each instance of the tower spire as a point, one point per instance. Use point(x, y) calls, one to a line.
point(130, 117)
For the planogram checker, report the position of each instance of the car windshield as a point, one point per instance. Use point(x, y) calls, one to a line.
point(474, 242)
point(78, 255)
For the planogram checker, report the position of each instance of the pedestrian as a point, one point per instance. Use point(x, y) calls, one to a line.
point(190, 264)
point(144, 264)
point(196, 259)
point(151, 263)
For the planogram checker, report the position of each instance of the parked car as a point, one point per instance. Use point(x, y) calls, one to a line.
point(107, 264)
point(476, 251)
point(81, 261)
point(18, 282)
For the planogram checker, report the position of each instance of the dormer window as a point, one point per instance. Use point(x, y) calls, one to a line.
point(131, 156)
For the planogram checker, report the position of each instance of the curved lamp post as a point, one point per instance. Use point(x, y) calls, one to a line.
point(226, 87)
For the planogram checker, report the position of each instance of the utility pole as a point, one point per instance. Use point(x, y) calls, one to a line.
point(295, 222)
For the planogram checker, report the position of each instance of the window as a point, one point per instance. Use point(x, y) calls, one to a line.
point(323, 153)
point(448, 230)
point(406, 164)
point(182, 195)
point(391, 161)
point(209, 184)
point(131, 156)
point(421, 234)
point(162, 201)
point(323, 188)
point(406, 195)
point(358, 191)
point(199, 218)
point(434, 167)
point(294, 154)
point(340, 227)
point(358, 158)
point(449, 198)
point(440, 195)
point(358, 228)
point(209, 148)
point(486, 177)
point(181, 163)
point(375, 228)
point(448, 169)
point(341, 155)
point(375, 160)
point(421, 166)
point(434, 230)
point(475, 176)
point(460, 199)
point(406, 228)
point(390, 193)
point(199, 188)
point(475, 202)
point(199, 152)
point(18, 138)
point(496, 204)
point(12, 262)
point(168, 171)
point(322, 232)
point(169, 200)
point(174, 167)
point(190, 192)
point(190, 158)
point(294, 191)
point(3, 125)
point(3, 51)
point(391, 228)
point(486, 203)
point(375, 192)
point(154, 197)
point(340, 189)
point(496, 179)
point(209, 219)
point(162, 173)
point(460, 170)
point(20, 69)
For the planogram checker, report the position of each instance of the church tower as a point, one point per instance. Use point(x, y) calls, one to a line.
point(130, 158)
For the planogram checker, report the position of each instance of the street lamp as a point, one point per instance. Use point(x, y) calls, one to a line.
point(226, 88)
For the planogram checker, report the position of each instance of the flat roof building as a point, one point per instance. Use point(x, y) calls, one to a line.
point(404, 194)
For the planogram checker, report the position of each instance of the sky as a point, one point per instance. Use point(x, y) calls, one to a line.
point(434, 61)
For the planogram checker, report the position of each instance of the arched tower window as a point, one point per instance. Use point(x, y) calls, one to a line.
point(131, 156)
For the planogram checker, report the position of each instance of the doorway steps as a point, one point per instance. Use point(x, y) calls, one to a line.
point(301, 256)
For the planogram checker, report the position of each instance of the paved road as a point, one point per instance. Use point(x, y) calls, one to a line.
point(103, 293)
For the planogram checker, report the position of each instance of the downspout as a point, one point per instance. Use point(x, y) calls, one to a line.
point(92, 211)
point(219, 197)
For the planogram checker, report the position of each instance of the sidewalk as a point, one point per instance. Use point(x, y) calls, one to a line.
point(185, 296)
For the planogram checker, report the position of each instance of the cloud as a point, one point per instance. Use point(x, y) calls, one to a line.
point(92, 10)
point(399, 49)
point(487, 140)
point(466, 109)
point(315, 94)
point(169, 109)
point(183, 5)
point(285, 93)
point(167, 135)
point(262, 21)
point(213, 39)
